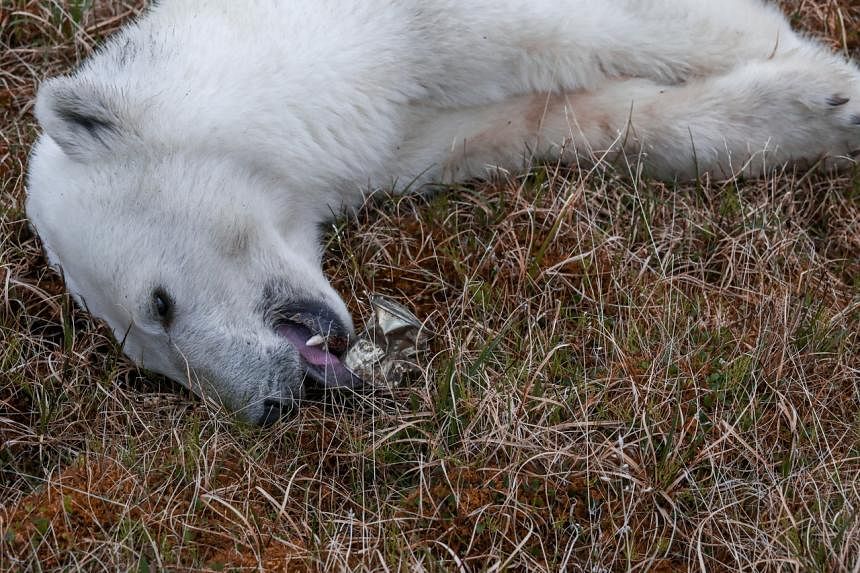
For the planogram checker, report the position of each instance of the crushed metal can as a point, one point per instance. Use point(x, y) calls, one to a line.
point(390, 347)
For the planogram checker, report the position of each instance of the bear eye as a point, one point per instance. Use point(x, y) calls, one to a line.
point(163, 305)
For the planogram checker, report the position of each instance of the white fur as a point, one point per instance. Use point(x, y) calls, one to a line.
point(201, 148)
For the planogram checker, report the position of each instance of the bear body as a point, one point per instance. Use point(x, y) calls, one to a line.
point(185, 169)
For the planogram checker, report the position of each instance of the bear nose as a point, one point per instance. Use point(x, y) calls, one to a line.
point(274, 410)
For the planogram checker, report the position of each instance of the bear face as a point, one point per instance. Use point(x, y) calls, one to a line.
point(206, 271)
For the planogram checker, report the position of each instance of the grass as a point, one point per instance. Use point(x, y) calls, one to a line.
point(628, 375)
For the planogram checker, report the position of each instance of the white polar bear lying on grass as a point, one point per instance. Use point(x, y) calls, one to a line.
point(185, 169)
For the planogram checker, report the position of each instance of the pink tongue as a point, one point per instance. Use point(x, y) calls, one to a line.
point(315, 355)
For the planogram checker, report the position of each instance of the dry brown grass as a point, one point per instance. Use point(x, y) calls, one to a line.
point(628, 376)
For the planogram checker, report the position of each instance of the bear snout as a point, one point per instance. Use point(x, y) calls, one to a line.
point(274, 410)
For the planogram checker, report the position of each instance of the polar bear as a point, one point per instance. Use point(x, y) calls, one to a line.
point(184, 170)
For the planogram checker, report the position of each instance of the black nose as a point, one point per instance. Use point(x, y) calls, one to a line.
point(274, 410)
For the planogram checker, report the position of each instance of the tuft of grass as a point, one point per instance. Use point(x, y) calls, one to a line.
point(628, 375)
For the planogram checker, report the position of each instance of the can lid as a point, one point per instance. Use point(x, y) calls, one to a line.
point(390, 346)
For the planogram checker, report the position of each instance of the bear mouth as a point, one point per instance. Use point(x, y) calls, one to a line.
point(321, 351)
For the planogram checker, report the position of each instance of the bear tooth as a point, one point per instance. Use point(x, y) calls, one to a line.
point(315, 340)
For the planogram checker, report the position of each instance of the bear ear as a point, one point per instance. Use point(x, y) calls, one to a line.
point(79, 117)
